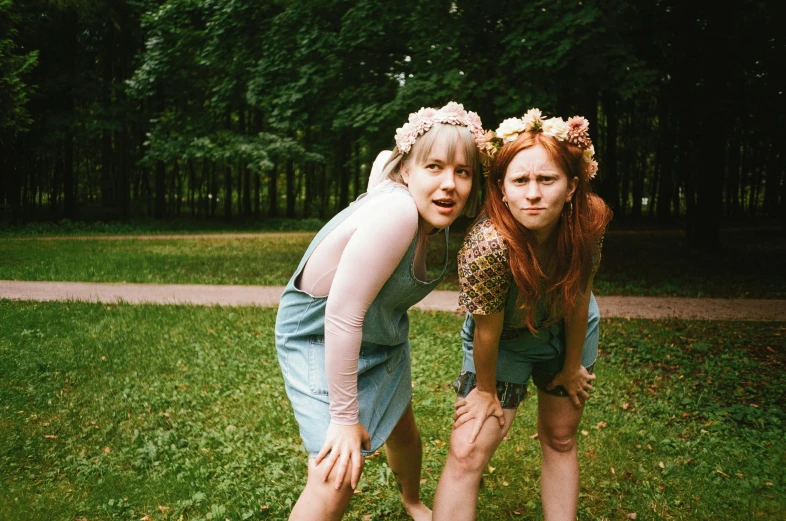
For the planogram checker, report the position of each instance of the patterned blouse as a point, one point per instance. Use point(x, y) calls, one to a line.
point(484, 270)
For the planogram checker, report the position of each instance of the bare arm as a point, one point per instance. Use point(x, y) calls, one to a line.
point(574, 377)
point(482, 402)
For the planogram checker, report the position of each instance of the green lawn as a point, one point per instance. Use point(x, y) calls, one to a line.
point(177, 412)
point(750, 265)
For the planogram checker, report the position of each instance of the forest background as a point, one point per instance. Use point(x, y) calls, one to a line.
point(239, 111)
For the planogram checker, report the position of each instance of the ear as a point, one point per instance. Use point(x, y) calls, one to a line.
point(501, 186)
point(572, 185)
point(404, 171)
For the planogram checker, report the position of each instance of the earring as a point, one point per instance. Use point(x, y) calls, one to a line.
point(506, 204)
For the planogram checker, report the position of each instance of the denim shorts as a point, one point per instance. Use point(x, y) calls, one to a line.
point(384, 388)
point(522, 355)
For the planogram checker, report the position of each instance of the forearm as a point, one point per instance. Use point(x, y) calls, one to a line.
point(576, 330)
point(485, 350)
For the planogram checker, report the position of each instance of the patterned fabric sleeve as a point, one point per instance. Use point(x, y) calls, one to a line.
point(484, 272)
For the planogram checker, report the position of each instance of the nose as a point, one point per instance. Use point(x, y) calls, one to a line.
point(533, 191)
point(448, 179)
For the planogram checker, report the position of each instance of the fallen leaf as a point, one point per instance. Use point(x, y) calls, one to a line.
point(722, 473)
point(585, 432)
point(740, 475)
point(107, 450)
point(534, 436)
point(601, 425)
point(505, 483)
point(163, 509)
point(689, 461)
point(661, 465)
point(50, 437)
point(613, 471)
point(625, 408)
point(357, 491)
point(768, 483)
point(661, 486)
point(633, 515)
point(103, 358)
point(146, 518)
point(492, 469)
point(439, 443)
point(686, 415)
point(367, 517)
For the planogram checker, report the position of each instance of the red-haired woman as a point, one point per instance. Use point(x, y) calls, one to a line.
point(526, 271)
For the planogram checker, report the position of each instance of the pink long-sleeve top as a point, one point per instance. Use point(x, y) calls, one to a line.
point(350, 266)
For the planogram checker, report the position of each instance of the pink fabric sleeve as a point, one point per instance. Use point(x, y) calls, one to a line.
point(383, 234)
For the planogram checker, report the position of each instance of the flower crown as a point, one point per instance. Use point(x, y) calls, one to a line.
point(575, 131)
point(421, 122)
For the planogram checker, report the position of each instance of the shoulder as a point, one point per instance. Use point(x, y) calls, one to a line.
point(483, 239)
point(392, 208)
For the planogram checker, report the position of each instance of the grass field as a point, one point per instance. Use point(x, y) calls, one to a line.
point(176, 412)
point(648, 263)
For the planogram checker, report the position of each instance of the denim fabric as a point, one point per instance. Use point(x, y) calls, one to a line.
point(521, 353)
point(384, 373)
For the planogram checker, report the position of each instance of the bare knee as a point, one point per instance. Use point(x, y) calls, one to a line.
point(469, 457)
point(557, 441)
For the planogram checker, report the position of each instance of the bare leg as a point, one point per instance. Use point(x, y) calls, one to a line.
point(456, 498)
point(558, 421)
point(320, 501)
point(405, 456)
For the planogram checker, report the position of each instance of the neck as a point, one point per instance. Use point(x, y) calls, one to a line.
point(543, 236)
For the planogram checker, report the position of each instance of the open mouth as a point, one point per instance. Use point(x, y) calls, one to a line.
point(445, 203)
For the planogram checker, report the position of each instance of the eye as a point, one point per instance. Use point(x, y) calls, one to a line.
point(433, 167)
point(547, 180)
point(464, 172)
point(520, 180)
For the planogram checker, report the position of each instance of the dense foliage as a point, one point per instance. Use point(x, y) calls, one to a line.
point(242, 110)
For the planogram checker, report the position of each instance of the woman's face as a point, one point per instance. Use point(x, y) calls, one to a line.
point(536, 190)
point(439, 186)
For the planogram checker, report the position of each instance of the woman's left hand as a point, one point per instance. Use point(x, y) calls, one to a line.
point(578, 383)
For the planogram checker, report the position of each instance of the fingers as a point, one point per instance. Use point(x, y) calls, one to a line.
point(327, 466)
point(343, 463)
point(476, 429)
point(357, 468)
point(501, 417)
point(322, 453)
point(461, 420)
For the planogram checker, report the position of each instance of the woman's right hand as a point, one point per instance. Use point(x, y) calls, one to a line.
point(478, 405)
point(342, 445)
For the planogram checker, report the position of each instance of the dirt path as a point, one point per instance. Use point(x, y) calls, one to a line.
point(610, 306)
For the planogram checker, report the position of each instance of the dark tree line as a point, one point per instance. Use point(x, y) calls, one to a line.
point(246, 110)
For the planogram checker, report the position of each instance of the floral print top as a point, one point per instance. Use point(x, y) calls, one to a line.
point(484, 269)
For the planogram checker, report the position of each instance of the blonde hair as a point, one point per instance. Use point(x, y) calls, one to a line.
point(455, 136)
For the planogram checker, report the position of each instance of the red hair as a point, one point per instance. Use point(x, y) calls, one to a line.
point(576, 235)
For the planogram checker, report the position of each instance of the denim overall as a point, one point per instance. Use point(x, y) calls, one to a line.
point(384, 373)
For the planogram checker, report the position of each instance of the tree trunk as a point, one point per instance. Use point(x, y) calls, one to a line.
point(272, 192)
point(733, 180)
point(69, 183)
point(771, 182)
point(609, 188)
point(290, 172)
point(227, 194)
point(666, 162)
point(159, 207)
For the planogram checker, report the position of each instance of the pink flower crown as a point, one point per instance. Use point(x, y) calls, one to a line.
point(575, 131)
point(421, 122)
